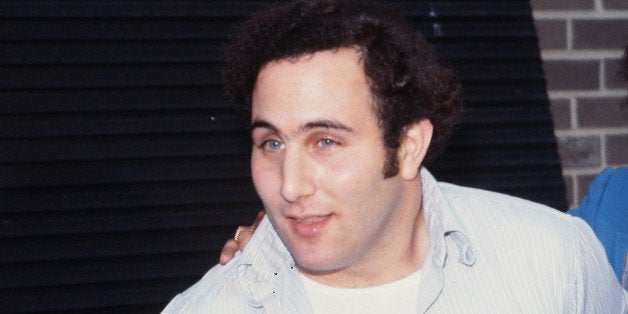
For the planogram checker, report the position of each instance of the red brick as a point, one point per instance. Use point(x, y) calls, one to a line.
point(600, 112)
point(578, 152)
point(552, 34)
point(561, 113)
point(617, 149)
point(600, 34)
point(562, 4)
point(572, 74)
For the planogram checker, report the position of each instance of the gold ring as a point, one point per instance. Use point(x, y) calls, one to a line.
point(236, 236)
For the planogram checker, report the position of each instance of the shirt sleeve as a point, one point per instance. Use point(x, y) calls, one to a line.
point(596, 288)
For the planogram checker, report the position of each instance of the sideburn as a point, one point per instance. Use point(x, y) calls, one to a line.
point(391, 164)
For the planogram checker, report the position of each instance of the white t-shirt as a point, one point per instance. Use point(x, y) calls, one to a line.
point(399, 297)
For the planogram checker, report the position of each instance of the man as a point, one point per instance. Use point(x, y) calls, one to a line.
point(346, 104)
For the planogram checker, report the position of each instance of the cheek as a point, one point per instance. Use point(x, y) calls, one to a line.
point(264, 175)
point(353, 176)
point(362, 162)
point(258, 174)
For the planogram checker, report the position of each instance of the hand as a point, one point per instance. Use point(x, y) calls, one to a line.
point(241, 238)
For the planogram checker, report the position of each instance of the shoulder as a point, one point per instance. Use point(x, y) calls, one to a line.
point(535, 250)
point(243, 283)
point(492, 207)
point(508, 223)
point(218, 283)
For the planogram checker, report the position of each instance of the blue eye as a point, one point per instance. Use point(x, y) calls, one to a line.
point(326, 142)
point(272, 145)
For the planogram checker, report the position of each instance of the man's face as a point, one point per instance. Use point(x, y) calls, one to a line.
point(317, 161)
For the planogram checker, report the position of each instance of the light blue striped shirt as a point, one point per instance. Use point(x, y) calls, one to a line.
point(489, 253)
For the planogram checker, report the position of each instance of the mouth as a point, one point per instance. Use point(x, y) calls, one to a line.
point(309, 226)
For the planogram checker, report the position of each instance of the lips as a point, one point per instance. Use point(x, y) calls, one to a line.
point(309, 226)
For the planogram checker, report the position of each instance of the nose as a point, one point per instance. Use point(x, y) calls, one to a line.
point(297, 176)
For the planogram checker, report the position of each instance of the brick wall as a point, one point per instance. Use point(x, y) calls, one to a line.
point(582, 47)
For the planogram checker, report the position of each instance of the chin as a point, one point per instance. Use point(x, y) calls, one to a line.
point(317, 265)
point(314, 256)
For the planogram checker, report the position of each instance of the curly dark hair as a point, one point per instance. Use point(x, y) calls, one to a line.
point(407, 81)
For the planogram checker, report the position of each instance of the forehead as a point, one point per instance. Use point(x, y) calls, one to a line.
point(326, 84)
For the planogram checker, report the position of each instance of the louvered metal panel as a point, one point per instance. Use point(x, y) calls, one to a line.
point(123, 169)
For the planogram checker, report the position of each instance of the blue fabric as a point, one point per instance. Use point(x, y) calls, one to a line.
point(605, 209)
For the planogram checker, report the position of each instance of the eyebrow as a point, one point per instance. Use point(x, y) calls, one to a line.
point(327, 124)
point(263, 124)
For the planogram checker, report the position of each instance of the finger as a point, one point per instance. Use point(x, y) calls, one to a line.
point(258, 219)
point(228, 251)
point(244, 237)
point(245, 234)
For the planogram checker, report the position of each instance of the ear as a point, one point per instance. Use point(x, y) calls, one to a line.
point(414, 144)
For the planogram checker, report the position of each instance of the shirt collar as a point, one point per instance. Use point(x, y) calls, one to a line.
point(443, 222)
